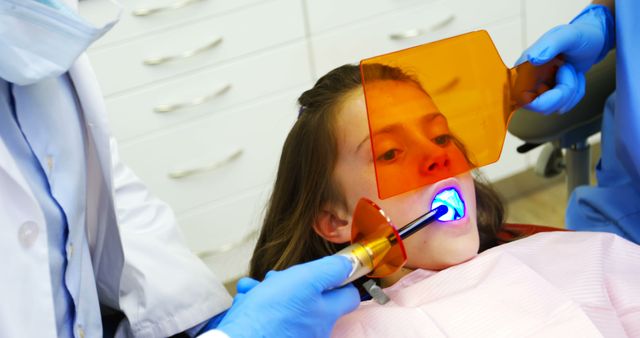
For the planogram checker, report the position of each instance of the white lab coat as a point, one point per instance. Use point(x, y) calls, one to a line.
point(141, 264)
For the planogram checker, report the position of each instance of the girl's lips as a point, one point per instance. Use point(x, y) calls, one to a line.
point(460, 223)
point(449, 197)
point(444, 184)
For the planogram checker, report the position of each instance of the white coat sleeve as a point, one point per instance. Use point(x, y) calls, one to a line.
point(165, 288)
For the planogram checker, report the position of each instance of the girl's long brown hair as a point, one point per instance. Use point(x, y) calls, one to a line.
point(304, 181)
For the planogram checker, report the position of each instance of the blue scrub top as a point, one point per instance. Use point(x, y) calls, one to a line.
point(627, 116)
point(614, 204)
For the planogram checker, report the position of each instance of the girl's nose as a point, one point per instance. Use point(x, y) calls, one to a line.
point(435, 164)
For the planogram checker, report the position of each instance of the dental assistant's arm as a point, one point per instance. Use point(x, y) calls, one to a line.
point(583, 42)
point(298, 302)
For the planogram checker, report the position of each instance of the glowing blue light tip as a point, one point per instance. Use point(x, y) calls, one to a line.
point(450, 198)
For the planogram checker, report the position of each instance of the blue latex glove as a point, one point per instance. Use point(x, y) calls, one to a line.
point(292, 303)
point(246, 284)
point(583, 42)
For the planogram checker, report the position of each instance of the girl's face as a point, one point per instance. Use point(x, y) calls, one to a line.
point(439, 245)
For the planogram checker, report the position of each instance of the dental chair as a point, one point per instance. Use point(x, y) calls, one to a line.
point(564, 137)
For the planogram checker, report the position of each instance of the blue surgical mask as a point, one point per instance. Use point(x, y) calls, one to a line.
point(55, 5)
point(41, 39)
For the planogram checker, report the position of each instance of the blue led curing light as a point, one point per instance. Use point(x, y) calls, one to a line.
point(450, 198)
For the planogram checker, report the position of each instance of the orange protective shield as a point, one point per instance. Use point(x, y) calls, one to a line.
point(440, 109)
point(370, 226)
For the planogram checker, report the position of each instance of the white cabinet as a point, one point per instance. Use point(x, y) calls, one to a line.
point(409, 27)
point(209, 91)
point(200, 98)
point(224, 233)
point(212, 158)
point(202, 93)
point(327, 14)
point(142, 17)
point(190, 47)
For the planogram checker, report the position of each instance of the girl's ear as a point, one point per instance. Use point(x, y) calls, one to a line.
point(332, 226)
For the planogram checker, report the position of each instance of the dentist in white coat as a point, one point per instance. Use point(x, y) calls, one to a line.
point(79, 230)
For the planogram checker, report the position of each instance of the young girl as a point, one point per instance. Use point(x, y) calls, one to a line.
point(327, 166)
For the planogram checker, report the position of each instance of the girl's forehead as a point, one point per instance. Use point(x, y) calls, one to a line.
point(382, 90)
point(351, 124)
point(352, 112)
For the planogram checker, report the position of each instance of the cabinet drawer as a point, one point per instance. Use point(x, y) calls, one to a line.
point(327, 14)
point(428, 22)
point(218, 156)
point(208, 91)
point(167, 14)
point(202, 43)
point(224, 234)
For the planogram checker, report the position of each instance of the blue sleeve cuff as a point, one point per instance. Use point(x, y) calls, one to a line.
point(608, 26)
point(214, 322)
point(196, 330)
point(211, 324)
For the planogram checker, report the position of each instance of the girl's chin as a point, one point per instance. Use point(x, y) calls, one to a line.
point(454, 230)
point(442, 265)
point(454, 253)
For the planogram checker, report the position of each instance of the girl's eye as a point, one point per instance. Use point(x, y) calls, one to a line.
point(389, 155)
point(442, 140)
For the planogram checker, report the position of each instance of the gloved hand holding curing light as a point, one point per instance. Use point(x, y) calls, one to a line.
point(582, 43)
point(296, 302)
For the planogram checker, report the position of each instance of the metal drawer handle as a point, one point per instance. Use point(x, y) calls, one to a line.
point(158, 60)
point(190, 171)
point(144, 11)
point(171, 107)
point(414, 32)
point(228, 247)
